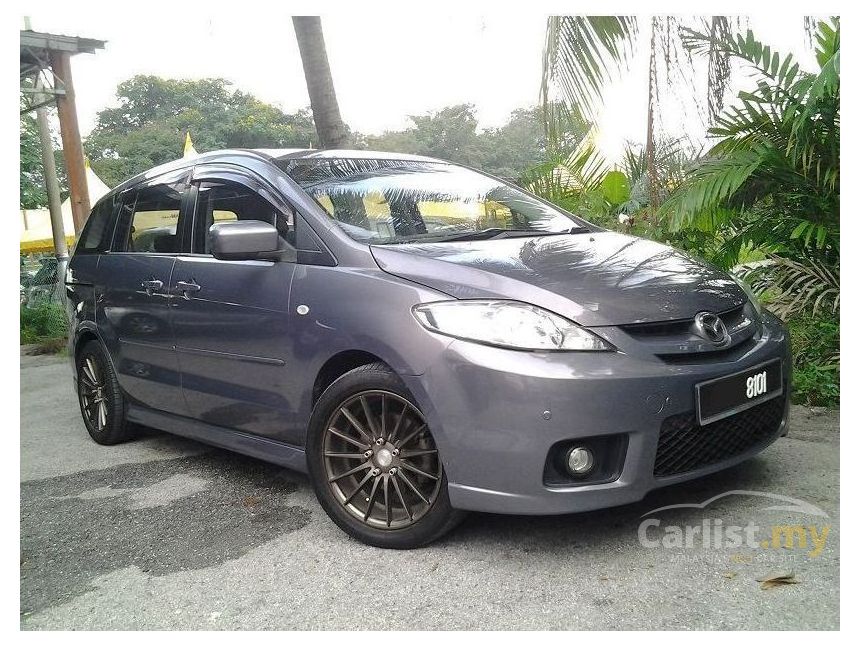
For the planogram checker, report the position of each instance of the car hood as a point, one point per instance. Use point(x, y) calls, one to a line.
point(594, 279)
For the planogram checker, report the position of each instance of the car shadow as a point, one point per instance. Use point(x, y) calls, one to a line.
point(599, 526)
point(616, 523)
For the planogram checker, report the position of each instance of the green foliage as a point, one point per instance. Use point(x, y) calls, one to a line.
point(791, 288)
point(583, 183)
point(519, 144)
point(615, 187)
point(772, 181)
point(32, 176)
point(452, 134)
point(149, 125)
point(43, 323)
point(768, 195)
point(575, 182)
point(582, 53)
point(815, 344)
point(33, 193)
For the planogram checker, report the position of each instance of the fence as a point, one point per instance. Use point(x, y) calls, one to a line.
point(43, 316)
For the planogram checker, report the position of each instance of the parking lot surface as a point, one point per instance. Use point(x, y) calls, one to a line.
point(165, 533)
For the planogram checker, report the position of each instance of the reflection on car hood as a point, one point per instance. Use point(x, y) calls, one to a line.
point(594, 279)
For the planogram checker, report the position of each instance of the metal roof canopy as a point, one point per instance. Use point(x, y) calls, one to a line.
point(37, 49)
point(46, 77)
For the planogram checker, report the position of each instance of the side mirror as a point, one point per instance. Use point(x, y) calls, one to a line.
point(244, 240)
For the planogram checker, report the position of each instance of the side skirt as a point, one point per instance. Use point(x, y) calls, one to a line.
point(261, 448)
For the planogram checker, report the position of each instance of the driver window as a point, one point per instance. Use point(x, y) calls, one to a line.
point(229, 202)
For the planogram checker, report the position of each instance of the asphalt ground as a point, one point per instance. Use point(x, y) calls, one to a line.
point(166, 533)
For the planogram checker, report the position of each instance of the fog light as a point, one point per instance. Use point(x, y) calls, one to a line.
point(580, 461)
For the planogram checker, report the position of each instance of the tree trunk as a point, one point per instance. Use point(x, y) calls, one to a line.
point(650, 152)
point(330, 127)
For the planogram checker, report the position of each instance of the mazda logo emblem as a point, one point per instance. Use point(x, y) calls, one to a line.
point(710, 327)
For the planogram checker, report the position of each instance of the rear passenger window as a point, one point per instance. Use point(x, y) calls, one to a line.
point(97, 233)
point(154, 219)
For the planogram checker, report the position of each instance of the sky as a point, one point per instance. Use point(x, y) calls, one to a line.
point(386, 66)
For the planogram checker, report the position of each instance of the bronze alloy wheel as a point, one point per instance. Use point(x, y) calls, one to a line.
point(380, 460)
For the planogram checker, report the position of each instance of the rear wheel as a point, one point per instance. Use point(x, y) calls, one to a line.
point(100, 397)
point(374, 463)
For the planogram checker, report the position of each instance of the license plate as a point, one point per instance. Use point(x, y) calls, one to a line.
point(722, 397)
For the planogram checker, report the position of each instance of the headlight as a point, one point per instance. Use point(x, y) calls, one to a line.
point(507, 323)
point(754, 301)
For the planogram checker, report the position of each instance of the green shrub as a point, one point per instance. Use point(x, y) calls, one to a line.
point(43, 323)
point(815, 344)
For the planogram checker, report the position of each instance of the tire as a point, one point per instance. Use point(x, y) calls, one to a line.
point(103, 406)
point(397, 507)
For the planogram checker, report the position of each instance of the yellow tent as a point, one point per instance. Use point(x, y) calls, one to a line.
point(36, 236)
point(188, 150)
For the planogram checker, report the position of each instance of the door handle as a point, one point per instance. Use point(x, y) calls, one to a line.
point(151, 285)
point(187, 287)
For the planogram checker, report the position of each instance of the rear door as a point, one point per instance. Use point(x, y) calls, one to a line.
point(133, 292)
point(231, 318)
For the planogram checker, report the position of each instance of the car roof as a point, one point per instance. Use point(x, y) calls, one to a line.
point(269, 154)
point(311, 153)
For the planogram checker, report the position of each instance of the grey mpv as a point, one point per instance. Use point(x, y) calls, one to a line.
point(422, 339)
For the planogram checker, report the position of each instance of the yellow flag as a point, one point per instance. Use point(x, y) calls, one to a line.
point(189, 150)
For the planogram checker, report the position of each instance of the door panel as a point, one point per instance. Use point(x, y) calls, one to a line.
point(232, 342)
point(136, 326)
point(133, 295)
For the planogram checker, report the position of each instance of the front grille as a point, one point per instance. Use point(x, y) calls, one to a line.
point(685, 446)
point(731, 353)
point(677, 342)
point(732, 318)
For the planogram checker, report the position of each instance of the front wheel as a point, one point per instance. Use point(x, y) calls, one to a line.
point(374, 463)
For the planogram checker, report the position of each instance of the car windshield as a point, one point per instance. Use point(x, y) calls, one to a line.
point(382, 201)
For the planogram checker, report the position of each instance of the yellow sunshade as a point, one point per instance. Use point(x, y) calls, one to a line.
point(44, 245)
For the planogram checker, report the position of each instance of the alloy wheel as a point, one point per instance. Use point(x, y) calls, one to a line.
point(381, 462)
point(94, 401)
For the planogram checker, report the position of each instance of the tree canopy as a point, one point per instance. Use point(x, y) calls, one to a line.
point(149, 124)
point(33, 192)
point(452, 134)
point(32, 174)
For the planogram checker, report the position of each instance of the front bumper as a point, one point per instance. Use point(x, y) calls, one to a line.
point(497, 413)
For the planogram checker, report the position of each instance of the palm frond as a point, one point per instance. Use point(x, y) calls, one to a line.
point(777, 162)
point(719, 65)
point(713, 182)
point(791, 287)
point(564, 126)
point(581, 52)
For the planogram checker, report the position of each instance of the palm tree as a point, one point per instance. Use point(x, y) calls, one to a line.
point(582, 52)
point(771, 183)
point(778, 151)
point(330, 127)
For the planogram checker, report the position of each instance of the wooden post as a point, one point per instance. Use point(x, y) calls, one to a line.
point(73, 151)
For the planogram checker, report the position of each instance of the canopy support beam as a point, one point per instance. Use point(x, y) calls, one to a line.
point(73, 150)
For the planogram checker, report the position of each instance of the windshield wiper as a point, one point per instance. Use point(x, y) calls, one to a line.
point(484, 234)
point(496, 233)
